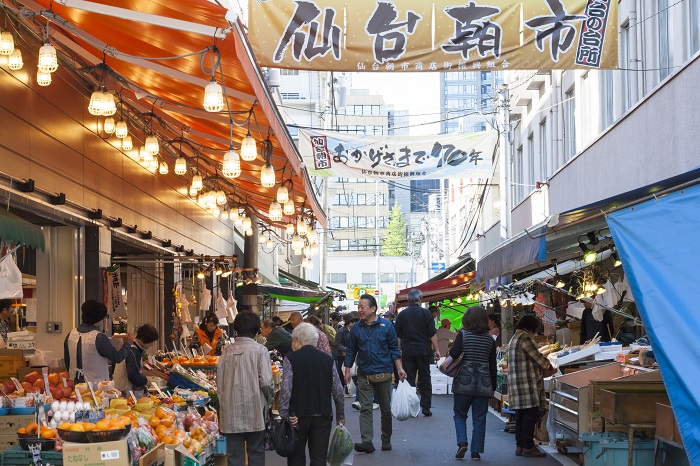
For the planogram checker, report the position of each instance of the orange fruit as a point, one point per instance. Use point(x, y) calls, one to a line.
point(48, 433)
point(88, 426)
point(102, 424)
point(125, 419)
point(154, 421)
point(21, 430)
point(65, 426)
point(116, 424)
point(77, 428)
point(54, 379)
point(167, 421)
point(32, 428)
point(161, 429)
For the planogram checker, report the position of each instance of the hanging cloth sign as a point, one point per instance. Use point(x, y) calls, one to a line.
point(336, 154)
point(115, 300)
point(441, 35)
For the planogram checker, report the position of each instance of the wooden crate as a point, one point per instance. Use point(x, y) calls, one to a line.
point(10, 362)
point(595, 420)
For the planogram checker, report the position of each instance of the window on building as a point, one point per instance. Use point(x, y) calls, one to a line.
point(517, 175)
point(343, 222)
point(665, 58)
point(544, 152)
point(420, 191)
point(284, 72)
point(570, 124)
point(361, 199)
point(530, 164)
point(375, 110)
point(335, 222)
point(694, 26)
point(608, 109)
point(368, 278)
point(361, 222)
point(337, 278)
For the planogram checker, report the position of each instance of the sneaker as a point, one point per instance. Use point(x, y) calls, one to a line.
point(519, 451)
point(375, 405)
point(427, 412)
point(386, 446)
point(356, 405)
point(476, 456)
point(533, 453)
point(461, 452)
point(364, 447)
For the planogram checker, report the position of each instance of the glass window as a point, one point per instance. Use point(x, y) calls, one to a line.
point(544, 153)
point(335, 222)
point(343, 222)
point(284, 72)
point(517, 175)
point(376, 110)
point(420, 191)
point(337, 278)
point(361, 222)
point(530, 164)
point(694, 25)
point(608, 97)
point(368, 278)
point(665, 58)
point(625, 35)
point(361, 199)
point(570, 124)
point(344, 244)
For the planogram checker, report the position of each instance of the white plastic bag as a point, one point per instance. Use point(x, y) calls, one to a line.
point(405, 402)
point(10, 279)
point(352, 388)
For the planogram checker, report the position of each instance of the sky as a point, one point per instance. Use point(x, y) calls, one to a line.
point(419, 93)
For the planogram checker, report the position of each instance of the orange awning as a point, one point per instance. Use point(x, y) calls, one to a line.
point(438, 290)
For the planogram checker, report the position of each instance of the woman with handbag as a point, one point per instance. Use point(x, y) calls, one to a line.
point(476, 381)
point(525, 384)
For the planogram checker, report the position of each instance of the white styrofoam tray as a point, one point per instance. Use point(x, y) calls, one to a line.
point(578, 355)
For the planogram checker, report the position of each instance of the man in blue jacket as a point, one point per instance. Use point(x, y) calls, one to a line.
point(373, 345)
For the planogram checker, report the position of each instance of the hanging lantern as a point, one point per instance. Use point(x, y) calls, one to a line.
point(289, 208)
point(238, 222)
point(163, 168)
point(249, 148)
point(247, 224)
point(290, 228)
point(7, 43)
point(234, 215)
point(180, 165)
point(275, 212)
point(314, 249)
point(127, 143)
point(121, 130)
point(221, 197)
point(231, 167)
point(96, 103)
point(144, 155)
point(192, 191)
point(153, 165)
point(152, 145)
point(267, 176)
point(225, 214)
point(297, 243)
point(48, 61)
point(312, 236)
point(197, 182)
point(109, 125)
point(262, 239)
point(270, 244)
point(15, 62)
point(213, 97)
point(301, 227)
point(249, 232)
point(42, 78)
point(282, 194)
point(109, 106)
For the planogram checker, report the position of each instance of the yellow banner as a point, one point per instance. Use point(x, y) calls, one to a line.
point(415, 35)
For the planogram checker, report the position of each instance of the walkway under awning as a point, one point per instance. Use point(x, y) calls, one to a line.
point(438, 290)
point(15, 230)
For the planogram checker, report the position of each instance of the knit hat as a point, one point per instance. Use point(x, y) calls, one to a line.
point(92, 312)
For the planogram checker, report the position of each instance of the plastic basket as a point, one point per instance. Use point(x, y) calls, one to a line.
point(610, 449)
point(220, 448)
point(177, 380)
point(96, 436)
point(15, 456)
point(30, 439)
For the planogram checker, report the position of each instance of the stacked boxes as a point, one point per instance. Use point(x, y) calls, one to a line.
point(442, 384)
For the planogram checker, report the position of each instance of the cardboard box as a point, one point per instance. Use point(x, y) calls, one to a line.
point(439, 379)
point(23, 345)
point(439, 389)
point(155, 457)
point(96, 454)
point(173, 456)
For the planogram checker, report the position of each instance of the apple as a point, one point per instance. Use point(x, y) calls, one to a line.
point(31, 377)
point(9, 387)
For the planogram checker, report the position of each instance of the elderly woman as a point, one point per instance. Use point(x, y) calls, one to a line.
point(309, 383)
point(525, 384)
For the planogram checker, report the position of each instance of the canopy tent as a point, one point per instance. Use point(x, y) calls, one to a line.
point(298, 295)
point(287, 278)
point(655, 240)
point(438, 290)
point(465, 264)
point(16, 230)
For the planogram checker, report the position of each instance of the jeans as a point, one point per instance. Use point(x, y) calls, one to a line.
point(525, 421)
point(316, 431)
point(368, 391)
point(480, 407)
point(419, 364)
point(252, 443)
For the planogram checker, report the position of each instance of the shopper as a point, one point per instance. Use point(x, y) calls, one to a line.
point(444, 336)
point(415, 330)
point(277, 338)
point(310, 381)
point(246, 391)
point(495, 328)
point(373, 343)
point(323, 340)
point(596, 320)
point(5, 310)
point(209, 333)
point(478, 352)
point(128, 375)
point(525, 384)
point(87, 351)
point(341, 343)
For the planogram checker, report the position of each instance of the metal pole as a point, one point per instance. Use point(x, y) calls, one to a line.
point(505, 163)
point(376, 231)
point(323, 247)
point(443, 209)
point(413, 258)
point(634, 62)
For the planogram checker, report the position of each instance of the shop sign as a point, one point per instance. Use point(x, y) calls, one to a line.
point(115, 300)
point(442, 35)
point(345, 155)
point(358, 290)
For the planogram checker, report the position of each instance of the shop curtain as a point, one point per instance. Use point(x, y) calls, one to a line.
point(659, 244)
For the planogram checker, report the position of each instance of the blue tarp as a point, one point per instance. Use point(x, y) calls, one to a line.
point(520, 251)
point(659, 244)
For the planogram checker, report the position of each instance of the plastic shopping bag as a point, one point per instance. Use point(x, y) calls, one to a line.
point(10, 279)
point(405, 402)
point(340, 447)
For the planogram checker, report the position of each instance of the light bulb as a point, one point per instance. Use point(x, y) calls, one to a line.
point(221, 197)
point(459, 299)
point(109, 106)
point(249, 149)
point(213, 97)
point(247, 223)
point(48, 62)
point(225, 215)
point(290, 228)
point(163, 168)
point(282, 194)
point(289, 208)
point(275, 212)
point(301, 227)
point(152, 145)
point(96, 103)
point(267, 176)
point(249, 232)
point(121, 130)
point(231, 167)
point(589, 257)
point(200, 274)
point(235, 216)
point(109, 125)
point(238, 222)
point(270, 244)
point(127, 143)
point(262, 238)
point(600, 290)
point(197, 182)
point(43, 78)
point(192, 191)
point(307, 250)
point(180, 165)
point(312, 236)
point(153, 165)
point(144, 155)
point(297, 243)
point(7, 43)
point(15, 62)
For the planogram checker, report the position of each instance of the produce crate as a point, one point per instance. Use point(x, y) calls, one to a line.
point(187, 461)
point(610, 449)
point(10, 361)
point(177, 380)
point(18, 457)
point(220, 446)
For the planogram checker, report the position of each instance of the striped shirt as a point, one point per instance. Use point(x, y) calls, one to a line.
point(476, 348)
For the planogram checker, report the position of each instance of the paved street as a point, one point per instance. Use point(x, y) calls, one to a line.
point(427, 441)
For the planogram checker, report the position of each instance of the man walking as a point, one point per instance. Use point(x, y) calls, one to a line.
point(373, 343)
point(415, 329)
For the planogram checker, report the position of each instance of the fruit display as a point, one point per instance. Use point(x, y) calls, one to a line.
point(60, 388)
point(205, 361)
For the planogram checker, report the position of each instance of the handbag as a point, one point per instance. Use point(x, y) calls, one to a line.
point(269, 441)
point(450, 367)
point(285, 438)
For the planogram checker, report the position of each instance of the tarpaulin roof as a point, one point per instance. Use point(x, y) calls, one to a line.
point(138, 41)
point(438, 290)
point(655, 240)
point(299, 295)
point(16, 230)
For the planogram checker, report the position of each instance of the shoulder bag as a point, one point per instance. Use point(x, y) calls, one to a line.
point(285, 438)
point(474, 378)
point(450, 367)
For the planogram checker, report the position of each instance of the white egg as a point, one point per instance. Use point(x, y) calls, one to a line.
point(53, 424)
point(63, 406)
point(55, 406)
point(58, 416)
point(71, 418)
point(79, 406)
point(71, 406)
